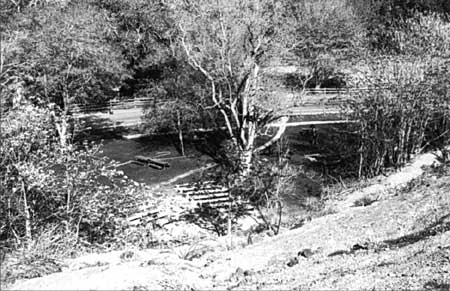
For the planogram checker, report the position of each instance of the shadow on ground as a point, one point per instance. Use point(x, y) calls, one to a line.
point(434, 229)
point(436, 285)
point(97, 127)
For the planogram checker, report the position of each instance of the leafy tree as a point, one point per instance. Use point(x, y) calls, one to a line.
point(328, 28)
point(61, 54)
point(144, 36)
point(401, 27)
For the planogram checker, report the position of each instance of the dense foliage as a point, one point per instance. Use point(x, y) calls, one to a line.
point(61, 54)
point(44, 183)
point(405, 112)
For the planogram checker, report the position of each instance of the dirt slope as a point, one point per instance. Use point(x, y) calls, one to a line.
point(399, 242)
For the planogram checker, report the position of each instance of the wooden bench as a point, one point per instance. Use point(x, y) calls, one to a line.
point(154, 163)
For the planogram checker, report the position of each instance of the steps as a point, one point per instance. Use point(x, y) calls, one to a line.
point(207, 194)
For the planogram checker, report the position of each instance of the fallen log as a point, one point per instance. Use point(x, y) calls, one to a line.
point(158, 164)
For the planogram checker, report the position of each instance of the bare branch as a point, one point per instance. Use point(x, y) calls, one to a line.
point(281, 129)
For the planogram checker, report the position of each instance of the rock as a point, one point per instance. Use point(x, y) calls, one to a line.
point(149, 263)
point(357, 247)
point(196, 253)
point(301, 222)
point(306, 253)
point(237, 275)
point(292, 262)
point(249, 273)
point(338, 253)
point(127, 256)
point(297, 225)
point(239, 272)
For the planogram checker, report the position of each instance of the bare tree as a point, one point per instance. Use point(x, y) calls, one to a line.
point(229, 42)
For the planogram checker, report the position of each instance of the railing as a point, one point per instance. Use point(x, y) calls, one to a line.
point(118, 105)
point(141, 102)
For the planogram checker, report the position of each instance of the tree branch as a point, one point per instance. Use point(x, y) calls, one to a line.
point(277, 136)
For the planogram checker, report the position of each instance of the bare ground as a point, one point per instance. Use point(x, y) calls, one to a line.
point(400, 241)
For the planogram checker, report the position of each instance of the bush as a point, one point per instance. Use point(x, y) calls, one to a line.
point(44, 183)
point(262, 188)
point(44, 256)
point(405, 111)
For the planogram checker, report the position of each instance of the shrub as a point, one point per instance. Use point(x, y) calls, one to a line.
point(44, 183)
point(405, 111)
point(263, 189)
point(44, 256)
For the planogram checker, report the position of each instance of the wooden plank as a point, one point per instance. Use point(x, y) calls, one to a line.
point(140, 215)
point(205, 192)
point(212, 200)
point(203, 197)
point(149, 160)
point(204, 188)
point(191, 184)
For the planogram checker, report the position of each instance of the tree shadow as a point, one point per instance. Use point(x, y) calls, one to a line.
point(433, 229)
point(215, 219)
point(97, 127)
point(436, 285)
point(212, 145)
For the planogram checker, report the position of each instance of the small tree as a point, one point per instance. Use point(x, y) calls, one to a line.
point(172, 116)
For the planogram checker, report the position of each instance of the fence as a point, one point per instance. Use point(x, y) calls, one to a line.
point(142, 102)
point(118, 105)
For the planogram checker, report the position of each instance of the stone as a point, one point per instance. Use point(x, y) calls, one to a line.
point(338, 253)
point(306, 253)
point(292, 262)
point(249, 273)
point(357, 247)
point(127, 255)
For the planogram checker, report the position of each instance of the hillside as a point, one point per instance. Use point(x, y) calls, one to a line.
point(401, 241)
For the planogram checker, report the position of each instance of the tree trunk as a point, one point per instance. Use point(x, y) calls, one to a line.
point(68, 201)
point(229, 232)
point(246, 159)
point(180, 133)
point(62, 132)
point(26, 207)
point(281, 129)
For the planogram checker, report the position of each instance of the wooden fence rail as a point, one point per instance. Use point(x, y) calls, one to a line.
point(141, 102)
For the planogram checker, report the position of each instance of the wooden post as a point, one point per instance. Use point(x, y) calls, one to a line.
point(28, 235)
point(230, 234)
point(180, 132)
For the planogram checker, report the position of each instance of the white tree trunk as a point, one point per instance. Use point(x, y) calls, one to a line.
point(180, 133)
point(246, 159)
point(26, 207)
point(281, 129)
point(68, 201)
point(61, 127)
